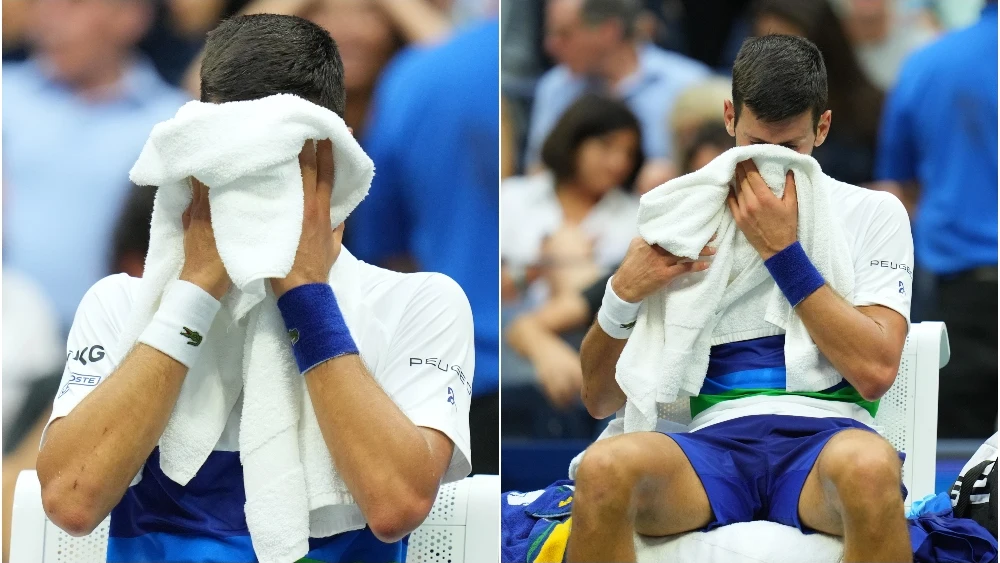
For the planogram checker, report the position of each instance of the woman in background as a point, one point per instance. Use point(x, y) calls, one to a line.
point(577, 213)
point(848, 154)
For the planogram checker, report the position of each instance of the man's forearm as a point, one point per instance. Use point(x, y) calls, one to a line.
point(387, 462)
point(599, 355)
point(90, 456)
point(862, 348)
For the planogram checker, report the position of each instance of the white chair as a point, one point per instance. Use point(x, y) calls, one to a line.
point(462, 527)
point(907, 418)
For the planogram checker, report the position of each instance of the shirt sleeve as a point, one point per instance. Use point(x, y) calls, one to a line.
point(429, 367)
point(884, 265)
point(90, 355)
point(896, 155)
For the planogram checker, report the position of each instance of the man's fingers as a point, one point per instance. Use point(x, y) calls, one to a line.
point(324, 170)
point(734, 207)
point(307, 162)
point(707, 251)
point(791, 197)
point(748, 187)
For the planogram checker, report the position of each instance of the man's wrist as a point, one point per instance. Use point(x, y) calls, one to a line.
point(182, 321)
point(617, 316)
point(794, 273)
point(622, 292)
point(214, 288)
point(316, 327)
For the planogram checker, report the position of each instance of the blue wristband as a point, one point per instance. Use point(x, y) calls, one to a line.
point(794, 273)
point(315, 325)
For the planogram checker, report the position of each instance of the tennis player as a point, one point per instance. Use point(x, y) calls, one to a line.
point(757, 451)
point(396, 428)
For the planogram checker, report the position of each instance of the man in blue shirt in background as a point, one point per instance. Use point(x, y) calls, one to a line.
point(938, 153)
point(434, 201)
point(75, 117)
point(596, 46)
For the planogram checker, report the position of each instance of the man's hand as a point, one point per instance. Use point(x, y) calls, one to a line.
point(769, 223)
point(648, 268)
point(559, 373)
point(202, 264)
point(318, 247)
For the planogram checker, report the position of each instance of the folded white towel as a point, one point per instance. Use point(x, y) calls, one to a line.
point(247, 153)
point(667, 355)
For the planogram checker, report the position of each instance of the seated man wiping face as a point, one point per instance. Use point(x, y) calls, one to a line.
point(757, 450)
point(395, 426)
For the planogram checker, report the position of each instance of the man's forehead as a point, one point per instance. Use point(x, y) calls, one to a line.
point(564, 9)
point(797, 126)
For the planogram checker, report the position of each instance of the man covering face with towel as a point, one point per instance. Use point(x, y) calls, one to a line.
point(755, 449)
point(395, 424)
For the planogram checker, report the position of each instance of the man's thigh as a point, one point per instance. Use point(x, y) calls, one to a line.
point(666, 493)
point(850, 450)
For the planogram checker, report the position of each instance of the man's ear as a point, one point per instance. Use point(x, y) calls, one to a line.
point(729, 116)
point(823, 127)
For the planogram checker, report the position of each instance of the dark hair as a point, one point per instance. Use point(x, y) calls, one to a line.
point(252, 57)
point(627, 12)
point(589, 116)
point(713, 134)
point(131, 234)
point(853, 97)
point(779, 77)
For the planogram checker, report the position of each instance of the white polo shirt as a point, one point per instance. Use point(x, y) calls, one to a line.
point(415, 335)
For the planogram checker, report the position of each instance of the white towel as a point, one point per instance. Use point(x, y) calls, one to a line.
point(666, 357)
point(247, 153)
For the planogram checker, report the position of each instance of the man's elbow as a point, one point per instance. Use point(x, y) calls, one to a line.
point(69, 509)
point(876, 380)
point(597, 406)
point(396, 517)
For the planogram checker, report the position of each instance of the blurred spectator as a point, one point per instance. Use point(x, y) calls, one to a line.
point(130, 241)
point(595, 43)
point(883, 33)
point(938, 153)
point(75, 118)
point(538, 335)
point(33, 341)
point(589, 156)
point(710, 140)
point(698, 104)
point(848, 154)
point(508, 140)
point(368, 34)
point(433, 137)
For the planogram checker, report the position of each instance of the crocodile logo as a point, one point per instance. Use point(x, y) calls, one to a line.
point(628, 326)
point(294, 335)
point(194, 338)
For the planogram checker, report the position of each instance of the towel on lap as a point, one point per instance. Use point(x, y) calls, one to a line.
point(666, 357)
point(247, 154)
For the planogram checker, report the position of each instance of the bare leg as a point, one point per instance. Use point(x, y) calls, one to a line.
point(853, 491)
point(639, 482)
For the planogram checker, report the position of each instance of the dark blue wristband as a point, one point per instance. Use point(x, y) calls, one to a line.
point(794, 273)
point(315, 325)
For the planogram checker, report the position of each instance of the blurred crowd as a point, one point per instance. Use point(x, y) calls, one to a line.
point(86, 80)
point(603, 100)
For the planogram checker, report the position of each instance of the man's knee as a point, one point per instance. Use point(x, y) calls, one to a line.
point(607, 474)
point(865, 471)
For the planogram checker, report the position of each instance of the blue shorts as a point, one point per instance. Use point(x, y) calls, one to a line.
point(754, 467)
